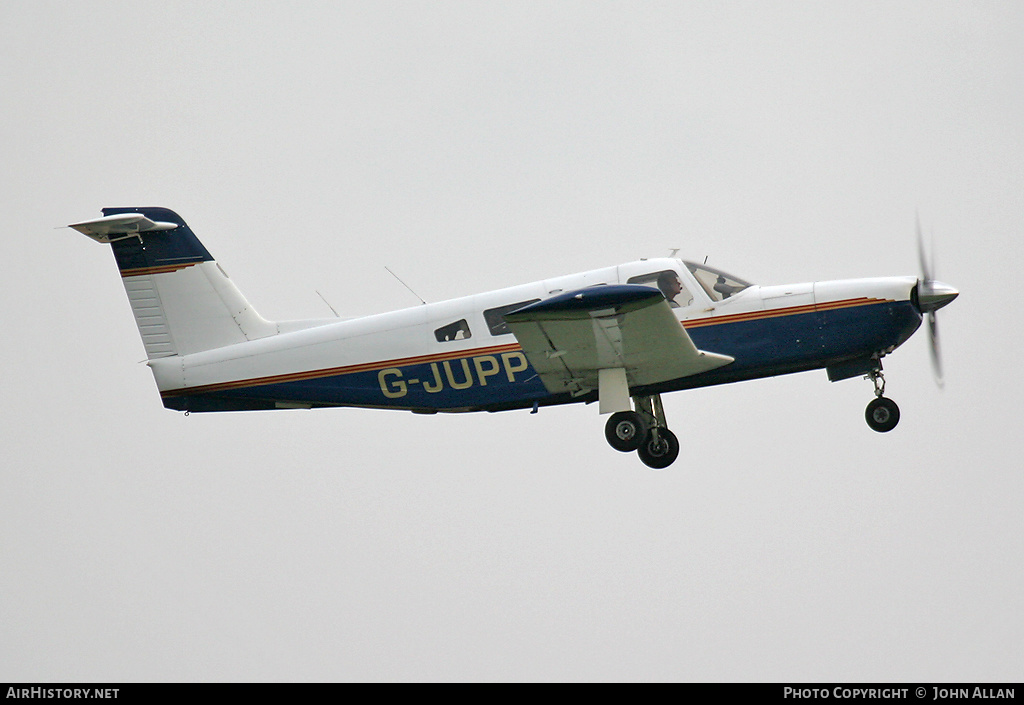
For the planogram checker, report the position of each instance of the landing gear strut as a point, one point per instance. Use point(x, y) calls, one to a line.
point(882, 413)
point(644, 431)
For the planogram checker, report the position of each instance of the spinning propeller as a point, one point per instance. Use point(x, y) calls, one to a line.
point(930, 296)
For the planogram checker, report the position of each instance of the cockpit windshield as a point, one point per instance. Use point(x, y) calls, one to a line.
point(718, 285)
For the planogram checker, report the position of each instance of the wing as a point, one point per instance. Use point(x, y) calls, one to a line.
point(571, 338)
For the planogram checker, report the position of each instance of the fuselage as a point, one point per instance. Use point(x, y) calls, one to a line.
point(459, 355)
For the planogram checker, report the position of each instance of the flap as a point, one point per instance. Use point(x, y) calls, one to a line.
point(569, 337)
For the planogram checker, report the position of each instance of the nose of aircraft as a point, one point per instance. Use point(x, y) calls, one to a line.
point(933, 295)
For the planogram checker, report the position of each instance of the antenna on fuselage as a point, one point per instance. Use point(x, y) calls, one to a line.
point(328, 303)
point(406, 286)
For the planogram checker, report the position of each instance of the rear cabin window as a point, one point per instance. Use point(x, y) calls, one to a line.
point(495, 317)
point(666, 281)
point(459, 330)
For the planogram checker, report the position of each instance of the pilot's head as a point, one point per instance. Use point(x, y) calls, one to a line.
point(669, 284)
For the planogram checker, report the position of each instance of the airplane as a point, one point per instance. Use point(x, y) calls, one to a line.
point(620, 336)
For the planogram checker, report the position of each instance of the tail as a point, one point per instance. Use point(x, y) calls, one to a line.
point(182, 300)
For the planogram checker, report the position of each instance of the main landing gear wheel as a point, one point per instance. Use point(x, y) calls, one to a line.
point(882, 414)
point(625, 431)
point(643, 430)
point(659, 449)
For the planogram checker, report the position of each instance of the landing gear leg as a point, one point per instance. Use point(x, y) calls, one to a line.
point(882, 413)
point(660, 447)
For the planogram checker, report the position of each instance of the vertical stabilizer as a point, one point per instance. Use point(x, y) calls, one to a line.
point(182, 300)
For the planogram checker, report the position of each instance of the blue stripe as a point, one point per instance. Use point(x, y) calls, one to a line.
point(476, 382)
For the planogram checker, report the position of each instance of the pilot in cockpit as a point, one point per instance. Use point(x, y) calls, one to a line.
point(668, 282)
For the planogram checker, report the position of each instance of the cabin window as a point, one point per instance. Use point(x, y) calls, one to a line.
point(495, 317)
point(459, 330)
point(667, 281)
point(718, 285)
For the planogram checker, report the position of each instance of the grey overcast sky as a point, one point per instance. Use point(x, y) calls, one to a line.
point(472, 145)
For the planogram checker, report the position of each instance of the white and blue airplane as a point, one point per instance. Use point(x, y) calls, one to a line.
point(620, 336)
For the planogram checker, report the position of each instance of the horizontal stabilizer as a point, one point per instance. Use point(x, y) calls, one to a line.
point(112, 228)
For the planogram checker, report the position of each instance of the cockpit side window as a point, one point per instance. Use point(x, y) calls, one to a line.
point(667, 281)
point(459, 330)
point(495, 317)
point(718, 285)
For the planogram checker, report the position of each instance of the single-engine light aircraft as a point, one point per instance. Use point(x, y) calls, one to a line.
point(620, 336)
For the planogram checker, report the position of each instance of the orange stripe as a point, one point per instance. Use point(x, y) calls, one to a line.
point(848, 303)
point(337, 371)
point(790, 311)
point(162, 269)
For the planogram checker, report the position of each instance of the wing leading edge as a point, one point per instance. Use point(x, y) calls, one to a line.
point(626, 330)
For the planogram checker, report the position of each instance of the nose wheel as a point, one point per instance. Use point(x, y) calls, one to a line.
point(882, 413)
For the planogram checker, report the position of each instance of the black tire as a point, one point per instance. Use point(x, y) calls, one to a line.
point(660, 453)
point(625, 431)
point(882, 415)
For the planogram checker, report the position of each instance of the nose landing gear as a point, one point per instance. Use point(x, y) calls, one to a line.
point(644, 431)
point(882, 413)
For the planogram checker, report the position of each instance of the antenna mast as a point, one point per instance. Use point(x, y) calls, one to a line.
point(406, 286)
